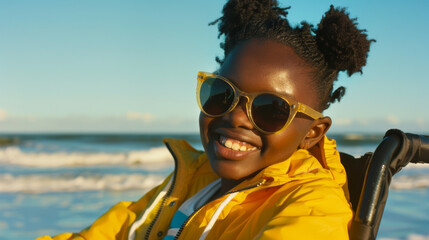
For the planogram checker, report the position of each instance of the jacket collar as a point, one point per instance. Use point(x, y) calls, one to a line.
point(303, 164)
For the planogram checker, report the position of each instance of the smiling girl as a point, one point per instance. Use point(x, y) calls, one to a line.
point(268, 170)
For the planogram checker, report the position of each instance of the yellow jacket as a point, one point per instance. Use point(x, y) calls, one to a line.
point(293, 199)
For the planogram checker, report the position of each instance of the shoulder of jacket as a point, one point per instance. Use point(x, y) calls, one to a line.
point(317, 196)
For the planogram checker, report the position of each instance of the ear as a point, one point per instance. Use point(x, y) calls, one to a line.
point(317, 131)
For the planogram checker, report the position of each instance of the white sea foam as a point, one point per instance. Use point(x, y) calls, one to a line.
point(410, 237)
point(43, 183)
point(159, 156)
point(410, 182)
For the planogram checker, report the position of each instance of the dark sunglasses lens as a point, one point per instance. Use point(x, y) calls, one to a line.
point(269, 112)
point(216, 96)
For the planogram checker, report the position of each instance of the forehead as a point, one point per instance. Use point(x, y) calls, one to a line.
point(264, 65)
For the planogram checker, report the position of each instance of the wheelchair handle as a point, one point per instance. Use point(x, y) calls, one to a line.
point(420, 144)
point(395, 151)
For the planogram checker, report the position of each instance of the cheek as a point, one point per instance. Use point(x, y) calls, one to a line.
point(204, 127)
point(284, 144)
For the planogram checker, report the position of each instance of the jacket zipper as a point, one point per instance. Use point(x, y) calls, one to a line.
point(164, 199)
point(196, 211)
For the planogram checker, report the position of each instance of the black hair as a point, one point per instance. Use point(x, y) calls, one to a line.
point(335, 45)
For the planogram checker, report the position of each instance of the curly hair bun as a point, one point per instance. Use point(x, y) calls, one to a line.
point(335, 45)
point(238, 13)
point(344, 46)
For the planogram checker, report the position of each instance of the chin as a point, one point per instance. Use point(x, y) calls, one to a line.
point(231, 170)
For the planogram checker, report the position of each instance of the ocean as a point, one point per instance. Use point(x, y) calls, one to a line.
point(54, 183)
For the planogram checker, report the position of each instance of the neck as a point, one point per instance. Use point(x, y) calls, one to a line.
point(228, 184)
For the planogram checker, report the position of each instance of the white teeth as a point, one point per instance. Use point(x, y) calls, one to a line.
point(228, 143)
point(235, 146)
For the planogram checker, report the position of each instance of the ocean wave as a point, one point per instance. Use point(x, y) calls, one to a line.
point(43, 184)
point(410, 182)
point(154, 157)
point(410, 237)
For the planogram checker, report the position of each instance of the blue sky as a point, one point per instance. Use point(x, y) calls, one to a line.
point(130, 66)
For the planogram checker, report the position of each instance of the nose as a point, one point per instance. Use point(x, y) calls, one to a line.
point(238, 116)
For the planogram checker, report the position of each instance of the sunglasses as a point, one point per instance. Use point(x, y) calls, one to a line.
point(267, 111)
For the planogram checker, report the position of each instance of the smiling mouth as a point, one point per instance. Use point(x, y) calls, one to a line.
point(236, 145)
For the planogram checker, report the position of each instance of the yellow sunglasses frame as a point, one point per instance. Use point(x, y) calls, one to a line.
point(295, 106)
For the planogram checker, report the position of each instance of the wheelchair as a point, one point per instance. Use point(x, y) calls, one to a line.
point(369, 177)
